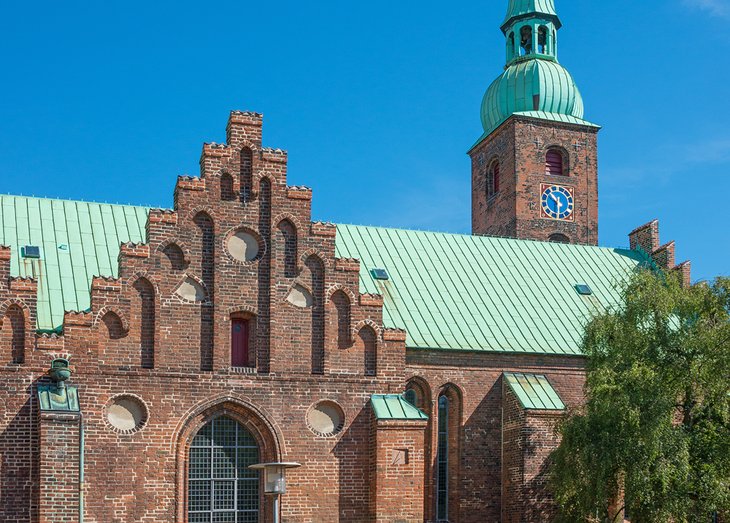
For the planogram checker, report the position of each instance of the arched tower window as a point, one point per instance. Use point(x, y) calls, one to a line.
point(493, 179)
point(525, 40)
point(558, 238)
point(221, 487)
point(511, 46)
point(555, 163)
point(542, 40)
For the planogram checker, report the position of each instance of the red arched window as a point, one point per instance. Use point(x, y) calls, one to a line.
point(554, 163)
point(493, 179)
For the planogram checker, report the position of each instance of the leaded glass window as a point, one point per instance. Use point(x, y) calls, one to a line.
point(442, 461)
point(221, 487)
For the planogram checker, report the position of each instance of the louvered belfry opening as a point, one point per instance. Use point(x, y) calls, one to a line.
point(554, 163)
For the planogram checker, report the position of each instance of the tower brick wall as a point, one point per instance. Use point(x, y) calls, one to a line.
point(520, 146)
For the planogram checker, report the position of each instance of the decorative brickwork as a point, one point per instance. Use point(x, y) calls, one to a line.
point(240, 249)
point(161, 332)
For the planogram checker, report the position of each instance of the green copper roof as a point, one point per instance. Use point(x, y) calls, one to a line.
point(538, 88)
point(519, 8)
point(78, 240)
point(394, 406)
point(448, 291)
point(534, 391)
point(475, 293)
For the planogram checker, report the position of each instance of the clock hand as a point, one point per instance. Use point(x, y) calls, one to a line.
point(557, 202)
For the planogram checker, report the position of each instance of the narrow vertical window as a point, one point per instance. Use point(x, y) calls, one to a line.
point(493, 179)
point(511, 46)
point(239, 342)
point(554, 163)
point(442, 461)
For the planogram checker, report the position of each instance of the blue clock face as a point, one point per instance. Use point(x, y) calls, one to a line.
point(557, 202)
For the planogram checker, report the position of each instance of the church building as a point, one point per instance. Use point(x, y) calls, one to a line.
point(150, 356)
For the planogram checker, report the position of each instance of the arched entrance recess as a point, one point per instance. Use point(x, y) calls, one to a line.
point(215, 447)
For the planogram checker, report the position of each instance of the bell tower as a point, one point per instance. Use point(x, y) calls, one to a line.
point(534, 170)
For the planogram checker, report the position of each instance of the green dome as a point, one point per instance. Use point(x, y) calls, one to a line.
point(518, 8)
point(540, 88)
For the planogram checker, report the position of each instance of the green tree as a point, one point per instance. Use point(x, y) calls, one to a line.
point(656, 422)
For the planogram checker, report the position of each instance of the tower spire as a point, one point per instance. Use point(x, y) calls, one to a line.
point(531, 28)
point(533, 83)
point(534, 170)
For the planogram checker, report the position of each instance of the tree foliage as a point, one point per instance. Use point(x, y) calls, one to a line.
point(656, 422)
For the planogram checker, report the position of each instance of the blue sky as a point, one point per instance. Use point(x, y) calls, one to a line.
point(377, 103)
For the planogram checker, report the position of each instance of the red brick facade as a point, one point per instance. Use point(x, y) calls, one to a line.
point(240, 245)
point(519, 146)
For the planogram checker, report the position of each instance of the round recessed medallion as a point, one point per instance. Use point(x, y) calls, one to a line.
point(243, 246)
point(299, 297)
point(190, 290)
point(126, 414)
point(326, 418)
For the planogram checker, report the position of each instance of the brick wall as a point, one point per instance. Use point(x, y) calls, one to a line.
point(520, 145)
point(58, 472)
point(161, 333)
point(477, 377)
point(397, 471)
point(528, 439)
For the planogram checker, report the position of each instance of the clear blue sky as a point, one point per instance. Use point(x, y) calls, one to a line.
point(377, 103)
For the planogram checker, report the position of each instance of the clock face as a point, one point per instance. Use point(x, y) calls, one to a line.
point(557, 202)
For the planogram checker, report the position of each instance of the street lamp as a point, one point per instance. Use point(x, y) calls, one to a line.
point(275, 481)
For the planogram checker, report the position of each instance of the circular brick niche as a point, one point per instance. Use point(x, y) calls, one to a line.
point(126, 414)
point(325, 418)
point(243, 245)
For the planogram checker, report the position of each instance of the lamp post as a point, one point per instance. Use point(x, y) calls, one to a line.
point(275, 481)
